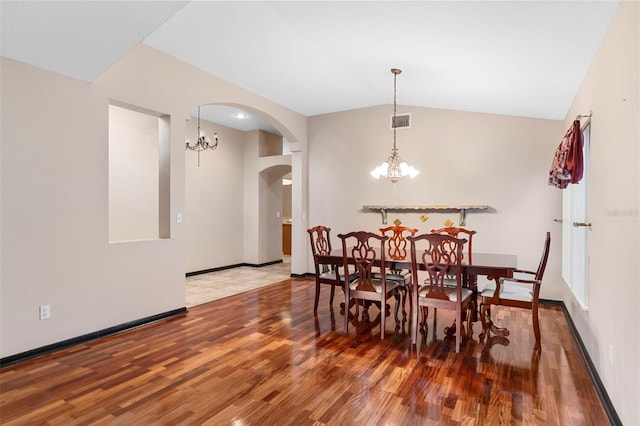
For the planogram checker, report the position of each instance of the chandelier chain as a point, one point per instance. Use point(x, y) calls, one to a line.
point(394, 168)
point(395, 119)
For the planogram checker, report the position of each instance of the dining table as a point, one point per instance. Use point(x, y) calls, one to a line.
point(493, 266)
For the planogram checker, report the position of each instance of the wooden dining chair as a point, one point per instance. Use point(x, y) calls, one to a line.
point(398, 249)
point(441, 257)
point(326, 271)
point(457, 232)
point(366, 251)
point(516, 292)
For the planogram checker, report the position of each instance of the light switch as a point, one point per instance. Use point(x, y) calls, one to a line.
point(179, 218)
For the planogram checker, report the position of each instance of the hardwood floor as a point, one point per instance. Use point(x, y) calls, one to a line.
point(263, 358)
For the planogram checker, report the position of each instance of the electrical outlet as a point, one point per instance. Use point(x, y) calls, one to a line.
point(45, 312)
point(611, 355)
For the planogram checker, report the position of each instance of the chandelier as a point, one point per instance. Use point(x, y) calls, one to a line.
point(394, 168)
point(203, 141)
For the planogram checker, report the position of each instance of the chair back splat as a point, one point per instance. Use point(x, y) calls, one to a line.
point(320, 240)
point(440, 256)
point(366, 251)
point(398, 246)
point(398, 249)
point(456, 232)
point(327, 270)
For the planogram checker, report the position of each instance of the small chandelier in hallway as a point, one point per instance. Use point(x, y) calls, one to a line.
point(394, 168)
point(203, 141)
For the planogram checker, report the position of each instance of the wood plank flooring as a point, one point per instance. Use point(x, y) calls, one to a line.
point(263, 358)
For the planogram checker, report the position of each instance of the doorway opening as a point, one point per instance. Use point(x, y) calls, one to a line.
point(236, 209)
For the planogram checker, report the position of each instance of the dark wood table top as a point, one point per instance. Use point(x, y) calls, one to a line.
point(491, 264)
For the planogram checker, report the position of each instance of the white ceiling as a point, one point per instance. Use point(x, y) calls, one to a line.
point(523, 58)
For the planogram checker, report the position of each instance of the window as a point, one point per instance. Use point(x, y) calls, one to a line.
point(575, 238)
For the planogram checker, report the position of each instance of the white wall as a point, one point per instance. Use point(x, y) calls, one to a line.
point(464, 158)
point(609, 328)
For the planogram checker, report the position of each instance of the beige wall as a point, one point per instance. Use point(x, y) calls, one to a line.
point(609, 328)
point(214, 200)
point(134, 166)
point(464, 158)
point(230, 221)
point(286, 201)
point(263, 201)
point(54, 198)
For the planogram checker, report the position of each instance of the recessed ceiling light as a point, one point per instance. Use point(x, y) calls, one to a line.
point(240, 115)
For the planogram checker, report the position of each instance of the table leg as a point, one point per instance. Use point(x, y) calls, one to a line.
point(471, 282)
point(487, 323)
point(489, 327)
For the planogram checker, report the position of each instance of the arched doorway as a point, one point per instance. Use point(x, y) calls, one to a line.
point(234, 198)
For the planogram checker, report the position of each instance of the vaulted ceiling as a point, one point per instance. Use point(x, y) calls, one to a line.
point(522, 58)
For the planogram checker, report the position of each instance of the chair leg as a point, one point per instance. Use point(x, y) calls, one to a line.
point(347, 302)
point(435, 321)
point(536, 324)
point(315, 304)
point(383, 315)
point(397, 296)
point(458, 328)
point(333, 292)
point(422, 323)
point(403, 295)
point(415, 319)
point(407, 295)
point(483, 318)
point(425, 314)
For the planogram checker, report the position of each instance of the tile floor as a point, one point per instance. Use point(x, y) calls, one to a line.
point(215, 285)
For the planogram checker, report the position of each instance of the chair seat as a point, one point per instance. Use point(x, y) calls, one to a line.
point(377, 284)
point(331, 275)
point(509, 291)
point(450, 292)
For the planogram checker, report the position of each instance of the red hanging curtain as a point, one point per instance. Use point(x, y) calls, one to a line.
point(568, 166)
